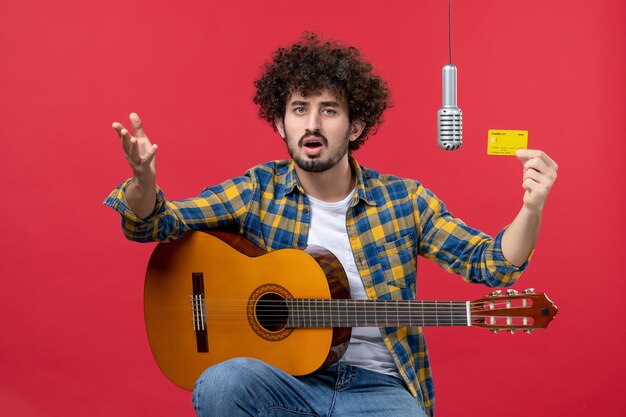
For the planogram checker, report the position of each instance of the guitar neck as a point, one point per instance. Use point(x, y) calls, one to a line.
point(375, 313)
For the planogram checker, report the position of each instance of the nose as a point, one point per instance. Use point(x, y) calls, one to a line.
point(313, 122)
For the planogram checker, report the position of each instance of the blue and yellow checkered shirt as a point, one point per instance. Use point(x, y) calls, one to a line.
point(391, 220)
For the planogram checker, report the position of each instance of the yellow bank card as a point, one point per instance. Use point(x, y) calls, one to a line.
point(506, 142)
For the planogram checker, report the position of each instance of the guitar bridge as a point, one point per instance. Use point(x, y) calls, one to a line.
point(198, 308)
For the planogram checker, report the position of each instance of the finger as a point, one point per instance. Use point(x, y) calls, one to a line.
point(527, 154)
point(536, 164)
point(148, 157)
point(536, 168)
point(118, 128)
point(135, 122)
point(535, 188)
point(125, 136)
point(134, 152)
point(550, 162)
point(536, 176)
point(529, 184)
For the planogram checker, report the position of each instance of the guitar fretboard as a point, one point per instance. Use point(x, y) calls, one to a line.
point(375, 313)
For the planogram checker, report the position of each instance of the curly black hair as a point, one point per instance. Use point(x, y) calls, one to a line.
point(311, 65)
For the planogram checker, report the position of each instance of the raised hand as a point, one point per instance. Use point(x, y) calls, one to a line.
point(138, 150)
point(539, 176)
point(140, 193)
point(521, 235)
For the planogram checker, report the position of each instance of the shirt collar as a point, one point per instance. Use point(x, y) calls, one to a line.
point(291, 179)
point(362, 190)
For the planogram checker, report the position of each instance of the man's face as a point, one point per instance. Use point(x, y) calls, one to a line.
point(317, 130)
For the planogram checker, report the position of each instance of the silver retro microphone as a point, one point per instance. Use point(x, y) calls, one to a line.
point(449, 116)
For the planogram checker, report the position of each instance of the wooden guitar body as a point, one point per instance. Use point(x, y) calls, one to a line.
point(232, 272)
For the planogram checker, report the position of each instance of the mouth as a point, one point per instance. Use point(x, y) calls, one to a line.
point(313, 145)
point(313, 142)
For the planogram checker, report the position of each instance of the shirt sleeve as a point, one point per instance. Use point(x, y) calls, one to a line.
point(223, 205)
point(461, 249)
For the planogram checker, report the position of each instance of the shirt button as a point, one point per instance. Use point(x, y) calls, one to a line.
point(305, 211)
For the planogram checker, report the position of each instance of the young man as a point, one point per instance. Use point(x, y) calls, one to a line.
point(323, 100)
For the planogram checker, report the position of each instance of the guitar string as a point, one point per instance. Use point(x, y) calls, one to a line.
point(368, 305)
point(360, 306)
point(359, 311)
point(310, 313)
point(439, 304)
point(323, 307)
point(392, 321)
point(349, 314)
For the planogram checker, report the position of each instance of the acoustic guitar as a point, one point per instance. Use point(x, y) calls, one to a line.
point(214, 296)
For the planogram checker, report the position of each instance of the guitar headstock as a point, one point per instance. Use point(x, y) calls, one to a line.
point(513, 311)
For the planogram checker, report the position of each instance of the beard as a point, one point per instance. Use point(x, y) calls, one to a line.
point(317, 164)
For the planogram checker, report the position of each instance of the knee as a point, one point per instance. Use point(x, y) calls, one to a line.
point(233, 371)
point(220, 385)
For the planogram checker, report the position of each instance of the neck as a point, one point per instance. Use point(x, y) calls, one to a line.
point(331, 185)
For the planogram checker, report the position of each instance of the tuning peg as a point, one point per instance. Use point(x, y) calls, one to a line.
point(496, 293)
point(495, 330)
point(512, 331)
point(511, 292)
point(529, 291)
point(529, 331)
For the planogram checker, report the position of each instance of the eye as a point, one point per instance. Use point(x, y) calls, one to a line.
point(329, 111)
point(299, 110)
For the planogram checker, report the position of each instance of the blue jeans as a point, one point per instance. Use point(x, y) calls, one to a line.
point(249, 387)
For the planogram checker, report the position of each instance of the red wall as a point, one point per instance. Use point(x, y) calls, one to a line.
point(71, 323)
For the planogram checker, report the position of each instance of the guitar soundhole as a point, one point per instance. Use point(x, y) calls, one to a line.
point(268, 312)
point(271, 312)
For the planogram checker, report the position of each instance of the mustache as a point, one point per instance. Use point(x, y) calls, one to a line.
point(316, 134)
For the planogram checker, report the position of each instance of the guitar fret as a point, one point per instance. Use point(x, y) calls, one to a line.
point(451, 316)
point(397, 314)
point(304, 312)
point(330, 313)
point(364, 322)
point(375, 313)
point(410, 318)
point(386, 316)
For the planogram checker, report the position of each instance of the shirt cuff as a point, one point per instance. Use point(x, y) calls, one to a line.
point(499, 259)
point(117, 201)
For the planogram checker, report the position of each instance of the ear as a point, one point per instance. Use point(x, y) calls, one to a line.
point(356, 128)
point(279, 123)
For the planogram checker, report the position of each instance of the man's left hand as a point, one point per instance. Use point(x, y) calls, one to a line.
point(539, 176)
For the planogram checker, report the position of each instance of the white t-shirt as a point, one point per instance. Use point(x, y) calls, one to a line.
point(367, 348)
